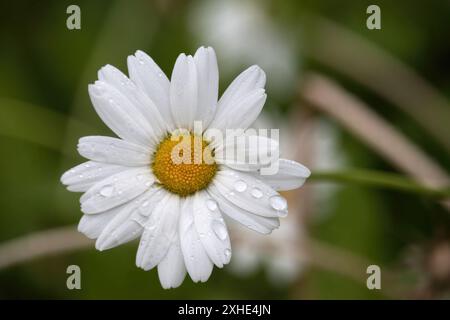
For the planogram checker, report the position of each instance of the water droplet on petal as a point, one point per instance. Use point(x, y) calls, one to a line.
point(144, 210)
point(240, 186)
point(283, 213)
point(107, 191)
point(278, 203)
point(220, 230)
point(227, 252)
point(211, 204)
point(257, 193)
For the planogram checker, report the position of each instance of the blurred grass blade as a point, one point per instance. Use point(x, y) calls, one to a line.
point(34, 124)
point(327, 96)
point(380, 71)
point(40, 244)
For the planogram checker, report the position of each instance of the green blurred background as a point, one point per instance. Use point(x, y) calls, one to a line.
point(342, 224)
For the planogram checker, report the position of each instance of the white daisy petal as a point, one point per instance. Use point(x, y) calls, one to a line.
point(171, 269)
point(250, 220)
point(116, 190)
point(153, 81)
point(208, 84)
point(160, 232)
point(249, 80)
point(119, 114)
point(211, 228)
point(184, 92)
point(136, 97)
point(113, 150)
point(129, 223)
point(247, 92)
point(85, 175)
point(241, 114)
point(290, 175)
point(247, 152)
point(249, 193)
point(92, 225)
point(198, 263)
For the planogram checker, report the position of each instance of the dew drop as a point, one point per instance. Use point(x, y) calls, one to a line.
point(220, 230)
point(278, 203)
point(211, 204)
point(107, 191)
point(227, 252)
point(257, 193)
point(283, 213)
point(143, 210)
point(240, 186)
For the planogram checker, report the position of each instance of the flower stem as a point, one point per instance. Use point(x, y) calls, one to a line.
point(381, 180)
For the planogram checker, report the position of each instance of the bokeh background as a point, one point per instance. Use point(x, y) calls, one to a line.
point(367, 110)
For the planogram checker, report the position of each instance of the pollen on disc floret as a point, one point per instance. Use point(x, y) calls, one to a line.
point(184, 164)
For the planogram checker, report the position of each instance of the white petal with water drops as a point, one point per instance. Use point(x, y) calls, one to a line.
point(290, 175)
point(237, 188)
point(153, 81)
point(183, 92)
point(211, 228)
point(85, 175)
point(137, 98)
point(249, 80)
point(198, 263)
point(92, 225)
point(160, 232)
point(248, 219)
point(116, 190)
point(246, 152)
point(119, 114)
point(171, 269)
point(208, 84)
point(113, 150)
point(128, 224)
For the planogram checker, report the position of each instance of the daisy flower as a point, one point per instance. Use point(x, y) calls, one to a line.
point(133, 187)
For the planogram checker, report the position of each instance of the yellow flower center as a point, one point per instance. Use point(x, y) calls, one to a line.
point(184, 164)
